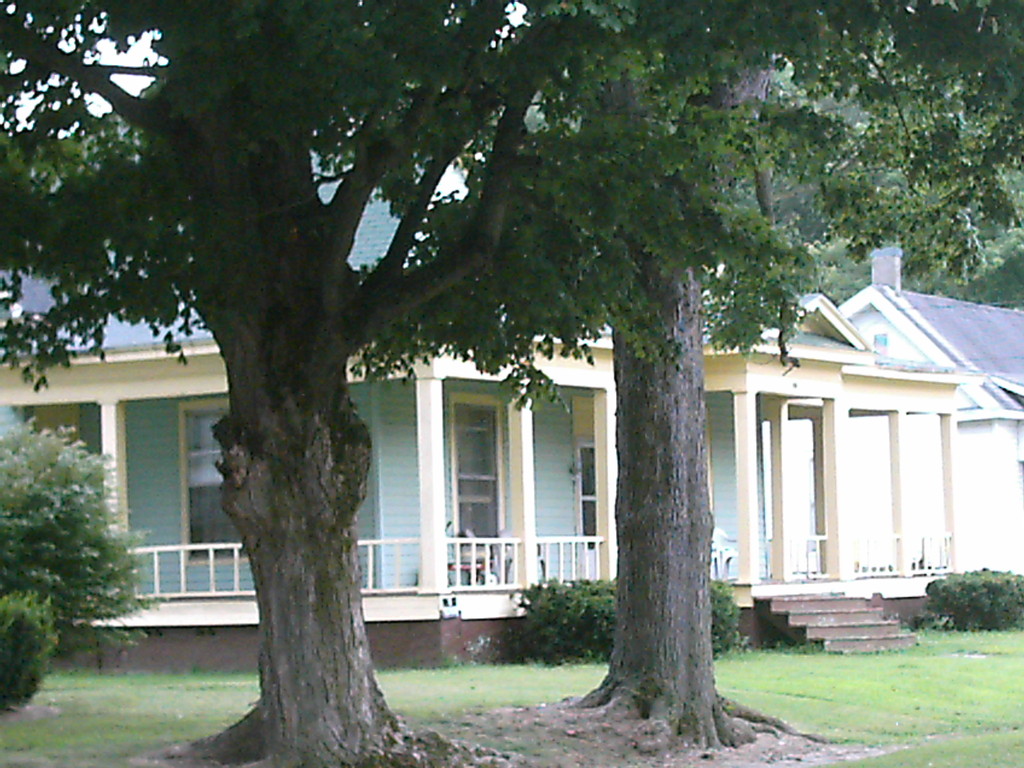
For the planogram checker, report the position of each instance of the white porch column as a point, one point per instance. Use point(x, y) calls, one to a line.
point(523, 489)
point(777, 410)
point(606, 471)
point(430, 463)
point(112, 445)
point(835, 419)
point(948, 431)
point(747, 502)
point(898, 461)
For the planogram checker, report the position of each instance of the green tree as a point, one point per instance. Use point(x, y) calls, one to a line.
point(609, 176)
point(56, 536)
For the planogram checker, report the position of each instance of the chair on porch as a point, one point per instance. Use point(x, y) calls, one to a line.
point(723, 553)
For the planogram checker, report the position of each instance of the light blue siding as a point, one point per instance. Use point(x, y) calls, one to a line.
point(554, 461)
point(398, 483)
point(723, 461)
point(394, 489)
point(154, 470)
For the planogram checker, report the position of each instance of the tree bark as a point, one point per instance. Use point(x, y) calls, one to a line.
point(295, 474)
point(661, 665)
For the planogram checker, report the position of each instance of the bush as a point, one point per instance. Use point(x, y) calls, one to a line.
point(725, 619)
point(576, 622)
point(27, 640)
point(978, 600)
point(566, 622)
point(56, 539)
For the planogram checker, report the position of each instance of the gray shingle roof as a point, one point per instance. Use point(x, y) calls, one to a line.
point(978, 337)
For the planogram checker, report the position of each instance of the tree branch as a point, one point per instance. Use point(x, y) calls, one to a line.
point(148, 114)
point(476, 248)
point(127, 69)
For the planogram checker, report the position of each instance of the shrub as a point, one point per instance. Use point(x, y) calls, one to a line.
point(978, 600)
point(725, 619)
point(56, 539)
point(566, 622)
point(576, 622)
point(27, 640)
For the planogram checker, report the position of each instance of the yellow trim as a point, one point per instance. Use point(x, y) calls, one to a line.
point(488, 401)
point(184, 408)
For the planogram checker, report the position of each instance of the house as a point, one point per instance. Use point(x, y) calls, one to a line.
point(986, 342)
point(471, 497)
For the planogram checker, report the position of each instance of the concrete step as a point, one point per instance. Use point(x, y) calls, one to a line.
point(870, 644)
point(883, 628)
point(817, 604)
point(835, 619)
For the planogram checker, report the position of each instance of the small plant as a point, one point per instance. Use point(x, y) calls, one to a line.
point(27, 640)
point(576, 622)
point(988, 600)
point(56, 536)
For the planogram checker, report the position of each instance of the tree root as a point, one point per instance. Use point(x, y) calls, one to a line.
point(422, 749)
point(762, 723)
point(721, 729)
point(734, 724)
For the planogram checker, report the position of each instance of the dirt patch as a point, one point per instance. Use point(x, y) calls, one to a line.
point(26, 713)
point(563, 736)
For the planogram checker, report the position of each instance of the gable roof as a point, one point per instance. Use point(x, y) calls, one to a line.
point(974, 337)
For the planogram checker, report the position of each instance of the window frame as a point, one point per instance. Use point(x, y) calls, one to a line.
point(477, 401)
point(583, 444)
point(185, 410)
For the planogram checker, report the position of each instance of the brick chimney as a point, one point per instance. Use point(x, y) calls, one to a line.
point(886, 265)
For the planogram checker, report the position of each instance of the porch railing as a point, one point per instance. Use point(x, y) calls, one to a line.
point(195, 570)
point(805, 558)
point(483, 563)
point(389, 565)
point(568, 558)
point(222, 570)
point(877, 556)
point(930, 554)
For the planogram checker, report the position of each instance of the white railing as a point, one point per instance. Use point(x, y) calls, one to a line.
point(930, 554)
point(195, 570)
point(389, 565)
point(568, 558)
point(877, 556)
point(805, 558)
point(222, 570)
point(483, 563)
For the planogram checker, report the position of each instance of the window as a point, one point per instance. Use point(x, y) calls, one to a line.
point(587, 478)
point(207, 521)
point(476, 461)
point(882, 343)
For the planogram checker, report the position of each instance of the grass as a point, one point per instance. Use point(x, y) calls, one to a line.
point(954, 699)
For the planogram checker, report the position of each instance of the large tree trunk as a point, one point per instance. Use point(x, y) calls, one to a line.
point(295, 470)
point(661, 665)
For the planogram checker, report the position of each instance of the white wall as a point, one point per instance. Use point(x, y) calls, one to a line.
point(990, 497)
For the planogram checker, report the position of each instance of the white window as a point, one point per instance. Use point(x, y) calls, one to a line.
point(477, 483)
point(207, 521)
point(587, 489)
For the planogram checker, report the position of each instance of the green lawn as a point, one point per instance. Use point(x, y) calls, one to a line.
point(954, 699)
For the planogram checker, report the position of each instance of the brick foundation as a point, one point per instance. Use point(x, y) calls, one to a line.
point(235, 649)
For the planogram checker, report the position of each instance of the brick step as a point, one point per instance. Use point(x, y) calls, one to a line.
point(817, 604)
point(836, 618)
point(870, 644)
point(882, 628)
